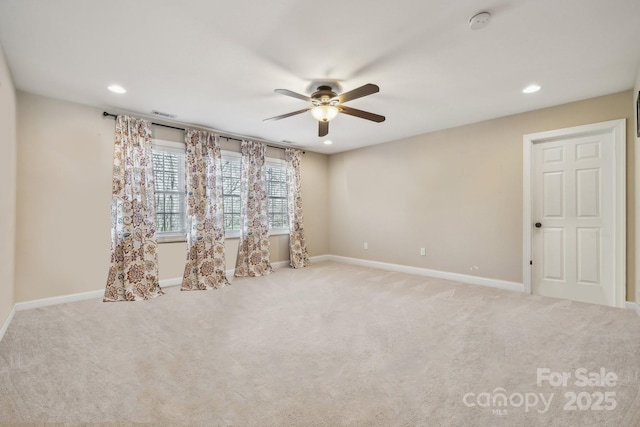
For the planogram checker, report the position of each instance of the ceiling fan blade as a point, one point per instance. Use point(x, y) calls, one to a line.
point(365, 90)
point(323, 128)
point(293, 94)
point(284, 116)
point(362, 114)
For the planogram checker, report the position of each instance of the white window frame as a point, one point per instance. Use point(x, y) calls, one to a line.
point(231, 156)
point(282, 164)
point(173, 236)
point(269, 161)
point(179, 147)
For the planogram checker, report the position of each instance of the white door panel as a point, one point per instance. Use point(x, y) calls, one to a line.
point(589, 256)
point(553, 193)
point(572, 199)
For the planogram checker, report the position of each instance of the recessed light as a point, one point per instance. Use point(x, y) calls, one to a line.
point(117, 89)
point(328, 142)
point(531, 88)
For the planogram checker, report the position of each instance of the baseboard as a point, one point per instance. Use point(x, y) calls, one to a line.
point(276, 265)
point(463, 278)
point(632, 306)
point(6, 322)
point(281, 264)
point(320, 258)
point(166, 283)
point(63, 299)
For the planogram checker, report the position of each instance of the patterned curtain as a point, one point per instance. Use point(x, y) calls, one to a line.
point(205, 268)
point(133, 273)
point(253, 249)
point(297, 246)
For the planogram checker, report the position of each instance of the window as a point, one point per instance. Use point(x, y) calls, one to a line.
point(277, 194)
point(168, 170)
point(276, 176)
point(169, 175)
point(231, 191)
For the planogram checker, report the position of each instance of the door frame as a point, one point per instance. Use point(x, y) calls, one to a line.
point(617, 128)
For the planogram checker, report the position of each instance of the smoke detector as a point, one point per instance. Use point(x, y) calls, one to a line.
point(479, 20)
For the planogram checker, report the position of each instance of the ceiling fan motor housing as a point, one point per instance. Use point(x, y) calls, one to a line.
point(324, 96)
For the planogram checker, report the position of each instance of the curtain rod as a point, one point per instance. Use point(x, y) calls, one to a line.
point(105, 114)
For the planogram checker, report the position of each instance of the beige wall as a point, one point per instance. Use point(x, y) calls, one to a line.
point(315, 200)
point(64, 192)
point(7, 189)
point(456, 192)
point(636, 218)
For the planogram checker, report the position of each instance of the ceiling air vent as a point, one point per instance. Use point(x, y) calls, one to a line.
point(163, 115)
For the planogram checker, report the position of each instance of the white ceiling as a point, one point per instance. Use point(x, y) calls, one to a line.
point(216, 63)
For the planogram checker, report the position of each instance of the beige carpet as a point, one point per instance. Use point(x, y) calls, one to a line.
point(330, 345)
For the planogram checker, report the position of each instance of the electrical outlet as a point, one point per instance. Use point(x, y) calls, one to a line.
point(423, 251)
point(365, 246)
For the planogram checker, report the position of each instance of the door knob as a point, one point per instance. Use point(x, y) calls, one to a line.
point(538, 225)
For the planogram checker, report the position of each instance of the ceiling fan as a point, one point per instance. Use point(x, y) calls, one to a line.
point(326, 104)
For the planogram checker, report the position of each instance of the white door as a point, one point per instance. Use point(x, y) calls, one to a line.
point(573, 218)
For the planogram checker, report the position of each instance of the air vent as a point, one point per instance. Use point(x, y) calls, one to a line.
point(165, 115)
point(284, 141)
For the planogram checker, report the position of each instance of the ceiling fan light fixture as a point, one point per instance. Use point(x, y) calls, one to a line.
point(326, 104)
point(324, 113)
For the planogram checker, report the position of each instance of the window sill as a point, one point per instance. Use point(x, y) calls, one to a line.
point(181, 238)
point(236, 234)
point(171, 238)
